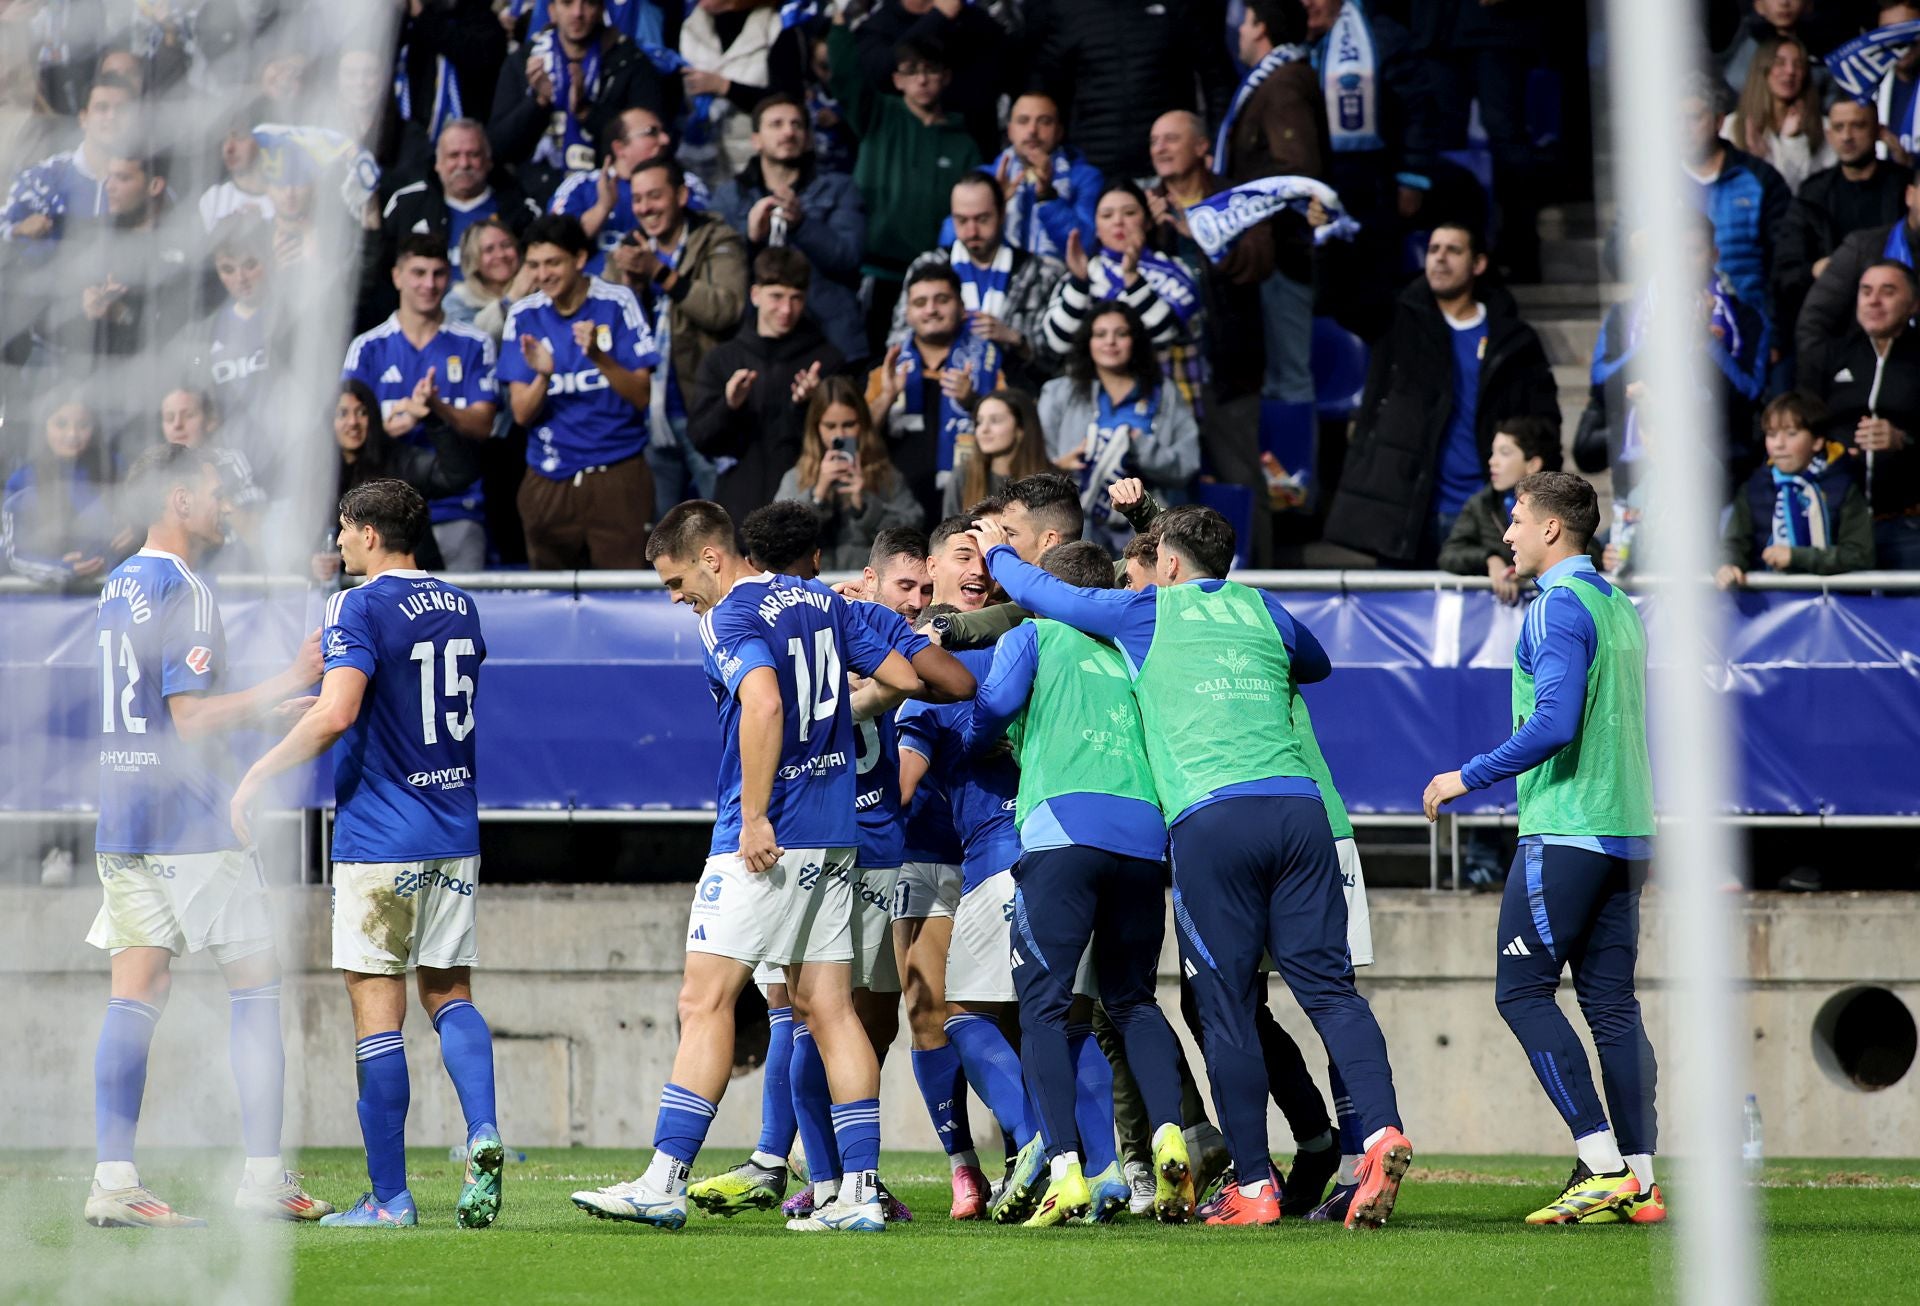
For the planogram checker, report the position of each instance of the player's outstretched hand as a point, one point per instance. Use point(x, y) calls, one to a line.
point(989, 532)
point(289, 710)
point(1441, 790)
point(237, 814)
point(758, 848)
point(308, 665)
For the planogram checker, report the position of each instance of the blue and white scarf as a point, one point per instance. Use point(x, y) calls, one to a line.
point(1108, 456)
point(1023, 229)
point(673, 63)
point(447, 104)
point(983, 288)
point(566, 144)
point(794, 13)
point(1276, 57)
point(971, 352)
point(1223, 217)
point(1859, 65)
point(1345, 60)
point(1800, 518)
point(638, 20)
point(297, 155)
point(1167, 276)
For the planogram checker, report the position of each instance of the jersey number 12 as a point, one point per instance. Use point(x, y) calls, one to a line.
point(458, 725)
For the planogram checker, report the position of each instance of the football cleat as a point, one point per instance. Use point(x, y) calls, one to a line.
point(1067, 1198)
point(1026, 1181)
point(1307, 1179)
point(396, 1213)
point(800, 1204)
point(1108, 1194)
point(1646, 1208)
point(897, 1211)
point(746, 1187)
point(285, 1200)
point(134, 1208)
point(969, 1193)
point(1172, 1176)
point(1377, 1183)
point(635, 1203)
point(480, 1187)
point(1213, 1161)
point(1231, 1206)
point(1139, 1188)
point(1335, 1207)
point(1588, 1195)
point(844, 1217)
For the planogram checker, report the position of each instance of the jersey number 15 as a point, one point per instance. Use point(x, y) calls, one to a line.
point(457, 684)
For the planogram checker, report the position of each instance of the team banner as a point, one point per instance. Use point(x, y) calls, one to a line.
point(1859, 66)
point(597, 701)
point(1222, 218)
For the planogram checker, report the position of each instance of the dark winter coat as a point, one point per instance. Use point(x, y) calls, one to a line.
point(763, 435)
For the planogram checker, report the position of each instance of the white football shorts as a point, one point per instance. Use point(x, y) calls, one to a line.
point(926, 889)
point(799, 909)
point(1359, 923)
point(386, 914)
point(183, 902)
point(980, 959)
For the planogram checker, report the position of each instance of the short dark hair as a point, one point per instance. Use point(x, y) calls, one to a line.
point(774, 101)
point(394, 509)
point(1913, 283)
point(1538, 437)
point(1145, 547)
point(154, 160)
point(1079, 562)
point(421, 244)
point(958, 524)
point(1052, 500)
point(1564, 496)
point(676, 175)
point(976, 179)
point(1285, 20)
point(914, 50)
point(1143, 362)
point(897, 542)
point(688, 528)
point(941, 272)
point(615, 132)
point(1200, 535)
point(782, 265)
point(1800, 408)
point(109, 82)
point(562, 229)
point(781, 534)
point(157, 471)
point(1476, 242)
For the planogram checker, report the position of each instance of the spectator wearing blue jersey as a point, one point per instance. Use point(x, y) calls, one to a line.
point(69, 187)
point(690, 271)
point(578, 360)
point(602, 197)
point(245, 344)
point(785, 195)
point(403, 659)
point(56, 517)
point(1745, 198)
point(425, 370)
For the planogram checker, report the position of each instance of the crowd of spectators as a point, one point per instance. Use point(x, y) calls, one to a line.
point(883, 256)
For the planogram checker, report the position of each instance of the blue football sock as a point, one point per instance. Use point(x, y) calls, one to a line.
point(120, 1076)
point(466, 1048)
point(259, 1065)
point(943, 1087)
point(381, 1064)
point(856, 1131)
point(1092, 1099)
point(681, 1130)
point(994, 1071)
point(776, 1094)
point(813, 1106)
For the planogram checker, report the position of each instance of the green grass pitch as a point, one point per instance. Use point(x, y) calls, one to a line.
point(1838, 1231)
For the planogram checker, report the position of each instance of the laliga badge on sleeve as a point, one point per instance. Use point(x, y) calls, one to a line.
point(456, 370)
point(604, 338)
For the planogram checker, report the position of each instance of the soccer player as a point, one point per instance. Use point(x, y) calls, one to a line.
point(1579, 751)
point(1092, 846)
point(925, 896)
point(174, 879)
point(777, 653)
point(423, 368)
point(403, 655)
point(1254, 867)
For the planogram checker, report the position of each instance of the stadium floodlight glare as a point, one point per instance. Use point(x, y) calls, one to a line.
point(1651, 45)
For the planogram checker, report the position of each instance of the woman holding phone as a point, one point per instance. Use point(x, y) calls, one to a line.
point(845, 476)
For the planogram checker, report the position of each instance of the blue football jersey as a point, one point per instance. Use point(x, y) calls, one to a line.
point(979, 790)
point(403, 774)
point(579, 193)
point(462, 359)
point(462, 214)
point(158, 634)
point(585, 422)
point(804, 632)
point(883, 836)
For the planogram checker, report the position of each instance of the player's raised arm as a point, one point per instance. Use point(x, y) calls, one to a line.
point(196, 716)
point(1097, 612)
point(337, 708)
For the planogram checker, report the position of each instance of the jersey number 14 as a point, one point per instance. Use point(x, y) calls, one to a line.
point(816, 687)
point(457, 684)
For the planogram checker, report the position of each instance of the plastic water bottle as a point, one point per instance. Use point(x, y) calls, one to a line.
point(1753, 1150)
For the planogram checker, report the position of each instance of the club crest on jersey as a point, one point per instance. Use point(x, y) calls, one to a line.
point(456, 370)
point(199, 658)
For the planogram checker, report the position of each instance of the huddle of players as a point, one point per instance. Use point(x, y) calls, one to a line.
point(1023, 855)
point(1160, 718)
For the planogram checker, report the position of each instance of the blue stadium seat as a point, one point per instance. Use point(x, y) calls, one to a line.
point(1339, 369)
